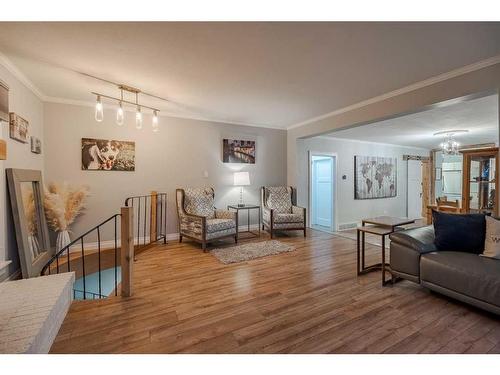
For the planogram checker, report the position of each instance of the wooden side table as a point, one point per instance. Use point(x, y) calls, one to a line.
point(247, 207)
point(380, 226)
point(377, 230)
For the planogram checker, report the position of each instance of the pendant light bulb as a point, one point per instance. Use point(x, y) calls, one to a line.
point(120, 115)
point(138, 118)
point(99, 114)
point(154, 122)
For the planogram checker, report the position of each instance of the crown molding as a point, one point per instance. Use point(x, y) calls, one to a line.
point(7, 64)
point(415, 86)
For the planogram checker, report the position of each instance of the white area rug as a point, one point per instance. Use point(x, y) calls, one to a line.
point(242, 253)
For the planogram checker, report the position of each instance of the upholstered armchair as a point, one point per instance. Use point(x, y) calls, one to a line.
point(199, 220)
point(279, 209)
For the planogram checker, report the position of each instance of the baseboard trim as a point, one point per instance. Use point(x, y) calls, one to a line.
point(347, 226)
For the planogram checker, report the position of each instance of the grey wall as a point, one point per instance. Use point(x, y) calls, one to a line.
point(177, 156)
point(23, 102)
point(348, 210)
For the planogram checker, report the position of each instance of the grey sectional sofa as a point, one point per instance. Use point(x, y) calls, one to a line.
point(468, 277)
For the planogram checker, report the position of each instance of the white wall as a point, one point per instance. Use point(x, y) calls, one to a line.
point(23, 102)
point(177, 156)
point(349, 210)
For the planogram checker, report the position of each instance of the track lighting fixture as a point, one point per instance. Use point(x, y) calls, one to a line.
point(120, 116)
point(138, 118)
point(154, 122)
point(120, 113)
point(99, 114)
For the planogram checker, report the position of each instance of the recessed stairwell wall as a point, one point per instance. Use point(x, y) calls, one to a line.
point(177, 156)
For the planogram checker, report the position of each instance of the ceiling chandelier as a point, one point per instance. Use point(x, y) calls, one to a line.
point(120, 114)
point(450, 146)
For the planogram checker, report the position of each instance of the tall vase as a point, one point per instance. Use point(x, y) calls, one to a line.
point(63, 240)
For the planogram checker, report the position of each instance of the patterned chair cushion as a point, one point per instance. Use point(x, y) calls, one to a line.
point(288, 218)
point(215, 225)
point(199, 201)
point(221, 233)
point(279, 198)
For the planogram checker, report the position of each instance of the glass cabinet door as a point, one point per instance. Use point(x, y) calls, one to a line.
point(482, 183)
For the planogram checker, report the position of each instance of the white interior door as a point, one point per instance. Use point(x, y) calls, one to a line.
point(322, 186)
point(414, 190)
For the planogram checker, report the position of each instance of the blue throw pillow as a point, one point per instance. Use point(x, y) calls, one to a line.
point(456, 232)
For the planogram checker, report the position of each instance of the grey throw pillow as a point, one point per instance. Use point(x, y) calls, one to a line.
point(492, 240)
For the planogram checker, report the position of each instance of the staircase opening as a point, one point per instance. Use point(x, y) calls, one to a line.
point(96, 256)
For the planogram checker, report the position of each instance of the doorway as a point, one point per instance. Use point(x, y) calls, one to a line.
point(414, 191)
point(322, 192)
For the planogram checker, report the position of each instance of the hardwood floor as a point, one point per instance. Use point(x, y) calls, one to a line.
point(306, 301)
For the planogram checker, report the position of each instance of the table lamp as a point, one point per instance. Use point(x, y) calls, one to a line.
point(241, 179)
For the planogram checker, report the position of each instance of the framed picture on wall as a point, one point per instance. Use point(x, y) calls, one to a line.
point(375, 177)
point(238, 151)
point(18, 128)
point(36, 145)
point(108, 155)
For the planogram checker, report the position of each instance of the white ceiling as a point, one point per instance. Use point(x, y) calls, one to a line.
point(479, 116)
point(269, 74)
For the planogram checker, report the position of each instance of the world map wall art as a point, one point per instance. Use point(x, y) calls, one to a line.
point(374, 177)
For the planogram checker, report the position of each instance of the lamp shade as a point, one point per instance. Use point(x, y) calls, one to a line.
point(241, 178)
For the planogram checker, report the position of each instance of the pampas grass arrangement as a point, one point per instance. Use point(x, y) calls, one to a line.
point(63, 203)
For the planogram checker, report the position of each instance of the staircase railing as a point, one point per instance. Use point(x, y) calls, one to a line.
point(75, 257)
point(150, 219)
point(89, 260)
point(143, 222)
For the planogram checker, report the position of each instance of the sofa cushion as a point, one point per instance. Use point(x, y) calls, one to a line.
point(456, 232)
point(492, 240)
point(199, 201)
point(475, 276)
point(215, 225)
point(279, 199)
point(288, 218)
point(419, 239)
